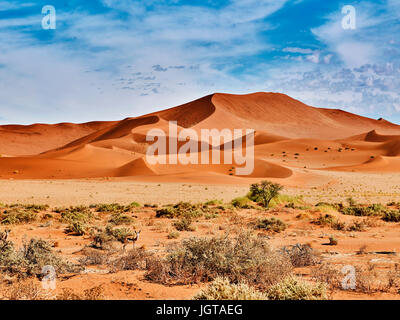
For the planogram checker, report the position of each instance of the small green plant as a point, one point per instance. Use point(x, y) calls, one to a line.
point(120, 218)
point(213, 202)
point(332, 241)
point(119, 234)
point(391, 216)
point(18, 216)
point(179, 210)
point(222, 289)
point(74, 214)
point(242, 203)
point(264, 192)
point(324, 220)
point(294, 289)
point(78, 228)
point(271, 224)
point(184, 224)
point(174, 235)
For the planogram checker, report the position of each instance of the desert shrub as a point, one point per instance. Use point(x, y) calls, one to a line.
point(27, 290)
point(391, 216)
point(271, 224)
point(324, 220)
point(173, 235)
point(356, 226)
point(135, 205)
point(332, 241)
point(77, 228)
point(30, 260)
point(292, 288)
point(327, 274)
point(104, 237)
point(213, 202)
point(94, 257)
point(10, 261)
point(167, 212)
point(95, 293)
point(115, 207)
point(119, 234)
point(120, 218)
point(326, 207)
point(242, 202)
point(351, 202)
point(74, 214)
point(38, 253)
point(135, 259)
point(338, 225)
point(18, 216)
point(264, 192)
point(184, 224)
point(209, 216)
point(182, 209)
point(281, 199)
point(394, 204)
point(371, 210)
point(301, 255)
point(222, 289)
point(243, 258)
point(36, 207)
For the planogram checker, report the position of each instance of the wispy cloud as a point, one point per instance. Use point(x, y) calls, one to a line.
point(110, 59)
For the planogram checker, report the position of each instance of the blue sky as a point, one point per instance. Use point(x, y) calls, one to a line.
point(110, 59)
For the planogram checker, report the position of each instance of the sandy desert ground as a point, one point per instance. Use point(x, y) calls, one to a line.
point(322, 157)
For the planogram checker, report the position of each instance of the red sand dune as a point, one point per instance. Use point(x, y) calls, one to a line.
point(293, 141)
point(18, 140)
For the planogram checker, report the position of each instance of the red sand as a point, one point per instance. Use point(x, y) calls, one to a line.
point(292, 141)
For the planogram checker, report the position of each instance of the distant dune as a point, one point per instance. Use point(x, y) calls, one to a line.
point(293, 141)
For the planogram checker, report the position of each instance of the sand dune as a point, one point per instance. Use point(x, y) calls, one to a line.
point(293, 141)
point(20, 140)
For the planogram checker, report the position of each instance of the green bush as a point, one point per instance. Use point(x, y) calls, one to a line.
point(301, 255)
point(184, 224)
point(242, 202)
point(174, 235)
point(213, 202)
point(271, 224)
point(264, 192)
point(391, 216)
point(222, 289)
point(115, 207)
point(182, 209)
point(119, 234)
point(78, 228)
point(295, 289)
point(75, 214)
point(326, 219)
point(362, 211)
point(18, 216)
point(120, 218)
